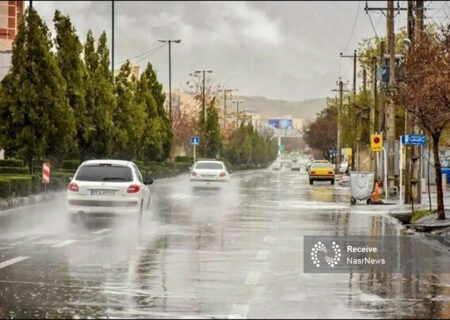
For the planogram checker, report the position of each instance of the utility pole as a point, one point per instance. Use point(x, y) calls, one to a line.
point(415, 178)
point(390, 110)
point(170, 74)
point(237, 110)
point(341, 96)
point(225, 91)
point(112, 38)
point(373, 108)
point(203, 91)
point(408, 125)
point(358, 138)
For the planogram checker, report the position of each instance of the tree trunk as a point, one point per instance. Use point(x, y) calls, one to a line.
point(437, 168)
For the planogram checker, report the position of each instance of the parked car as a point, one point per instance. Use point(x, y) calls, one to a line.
point(209, 173)
point(321, 171)
point(108, 186)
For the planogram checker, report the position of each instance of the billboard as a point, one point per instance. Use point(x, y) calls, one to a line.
point(281, 123)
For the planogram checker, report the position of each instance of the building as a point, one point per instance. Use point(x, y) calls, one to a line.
point(134, 71)
point(11, 14)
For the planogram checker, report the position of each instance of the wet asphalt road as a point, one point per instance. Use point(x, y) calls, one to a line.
point(232, 253)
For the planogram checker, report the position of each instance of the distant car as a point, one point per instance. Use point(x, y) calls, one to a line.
point(321, 171)
point(277, 165)
point(295, 165)
point(108, 186)
point(209, 173)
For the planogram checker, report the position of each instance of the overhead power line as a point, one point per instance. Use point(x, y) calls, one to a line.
point(353, 28)
point(144, 54)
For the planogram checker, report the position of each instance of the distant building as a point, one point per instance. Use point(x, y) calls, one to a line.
point(11, 14)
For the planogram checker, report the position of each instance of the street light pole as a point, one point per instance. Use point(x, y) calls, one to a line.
point(170, 73)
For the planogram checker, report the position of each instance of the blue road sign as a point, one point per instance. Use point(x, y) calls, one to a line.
point(195, 140)
point(332, 151)
point(414, 139)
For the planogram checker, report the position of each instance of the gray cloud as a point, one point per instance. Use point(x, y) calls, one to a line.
point(287, 50)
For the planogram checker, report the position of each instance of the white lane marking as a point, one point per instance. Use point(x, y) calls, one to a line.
point(262, 255)
point(239, 311)
point(269, 239)
point(63, 243)
point(101, 231)
point(25, 240)
point(9, 262)
point(253, 278)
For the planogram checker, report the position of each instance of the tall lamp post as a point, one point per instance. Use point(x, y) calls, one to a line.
point(203, 90)
point(170, 73)
point(225, 91)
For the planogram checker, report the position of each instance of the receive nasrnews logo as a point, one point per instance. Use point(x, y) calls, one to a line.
point(319, 247)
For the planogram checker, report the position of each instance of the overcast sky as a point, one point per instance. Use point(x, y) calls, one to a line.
point(283, 50)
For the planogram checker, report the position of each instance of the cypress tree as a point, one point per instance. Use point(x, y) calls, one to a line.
point(71, 65)
point(100, 99)
point(129, 116)
point(37, 121)
point(165, 129)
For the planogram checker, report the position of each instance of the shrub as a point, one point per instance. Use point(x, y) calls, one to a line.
point(36, 183)
point(184, 159)
point(71, 164)
point(11, 163)
point(5, 187)
point(13, 170)
point(20, 185)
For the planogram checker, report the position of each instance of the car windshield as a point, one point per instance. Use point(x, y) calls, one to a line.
point(209, 165)
point(100, 172)
point(322, 166)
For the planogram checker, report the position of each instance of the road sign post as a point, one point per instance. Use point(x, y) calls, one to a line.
point(195, 141)
point(46, 174)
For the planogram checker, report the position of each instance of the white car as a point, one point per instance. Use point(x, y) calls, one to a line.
point(209, 173)
point(108, 186)
point(295, 165)
point(277, 165)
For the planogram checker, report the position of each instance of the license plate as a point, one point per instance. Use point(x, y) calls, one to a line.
point(102, 192)
point(208, 175)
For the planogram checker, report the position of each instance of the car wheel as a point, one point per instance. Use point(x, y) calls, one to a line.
point(369, 201)
point(332, 182)
point(352, 200)
point(311, 181)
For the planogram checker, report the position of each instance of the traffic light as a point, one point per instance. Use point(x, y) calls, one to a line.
point(376, 142)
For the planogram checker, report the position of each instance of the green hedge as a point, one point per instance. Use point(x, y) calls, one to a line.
point(184, 159)
point(71, 164)
point(13, 170)
point(11, 163)
point(21, 186)
point(5, 187)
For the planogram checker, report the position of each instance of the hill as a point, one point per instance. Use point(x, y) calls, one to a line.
point(268, 108)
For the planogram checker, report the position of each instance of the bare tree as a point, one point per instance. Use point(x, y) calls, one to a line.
point(424, 91)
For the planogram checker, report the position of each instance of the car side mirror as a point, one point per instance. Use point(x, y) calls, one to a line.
point(148, 181)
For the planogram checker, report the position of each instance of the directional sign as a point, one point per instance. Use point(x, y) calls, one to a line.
point(332, 151)
point(414, 139)
point(195, 140)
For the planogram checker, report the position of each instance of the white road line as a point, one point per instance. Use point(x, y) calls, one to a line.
point(269, 239)
point(262, 255)
point(9, 262)
point(253, 278)
point(101, 231)
point(239, 311)
point(63, 243)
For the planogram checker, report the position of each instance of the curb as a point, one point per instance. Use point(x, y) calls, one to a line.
point(13, 203)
